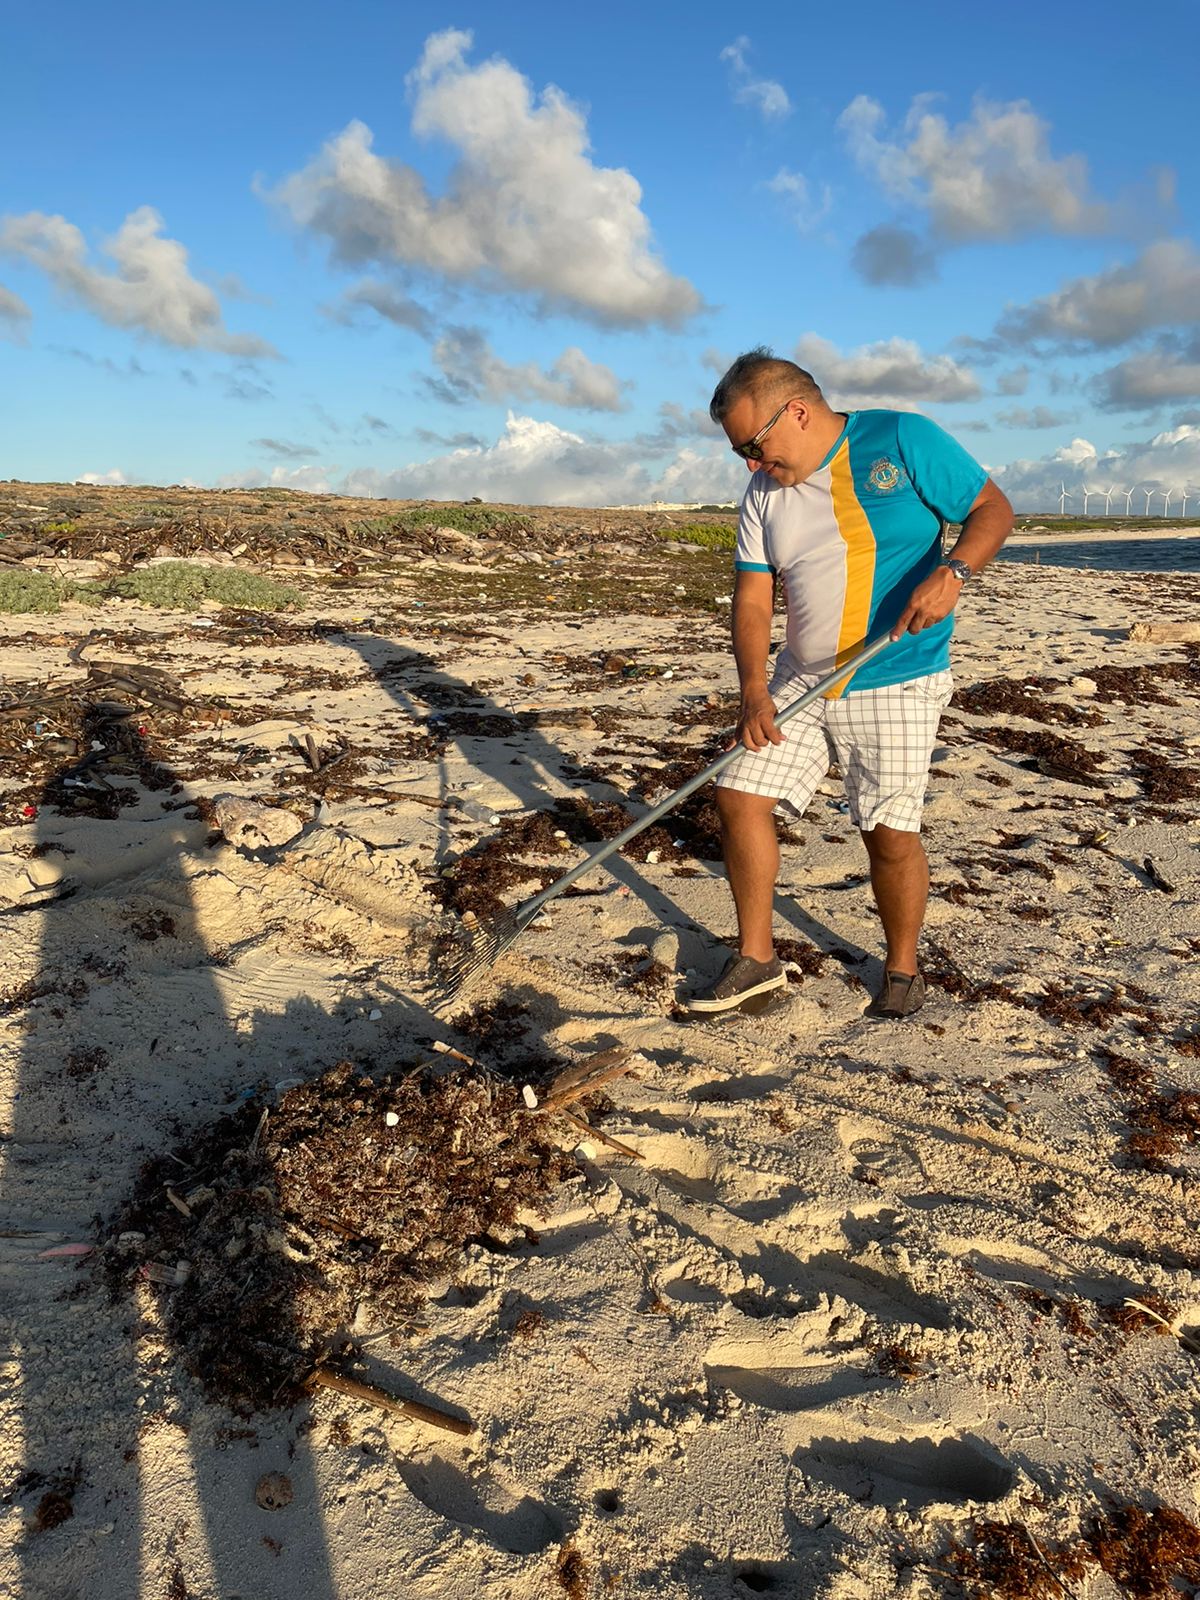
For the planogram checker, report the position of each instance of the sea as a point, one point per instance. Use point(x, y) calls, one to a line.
point(1111, 555)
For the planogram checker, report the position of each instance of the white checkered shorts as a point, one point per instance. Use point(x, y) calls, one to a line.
point(882, 738)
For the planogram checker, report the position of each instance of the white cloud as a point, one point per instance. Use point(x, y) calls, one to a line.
point(991, 177)
point(385, 301)
point(1168, 460)
point(536, 463)
point(311, 479)
point(793, 188)
point(285, 449)
point(113, 476)
point(891, 372)
point(1160, 288)
point(471, 370)
point(893, 255)
point(1032, 417)
point(1014, 381)
point(151, 292)
point(764, 94)
point(524, 209)
point(1150, 378)
point(13, 309)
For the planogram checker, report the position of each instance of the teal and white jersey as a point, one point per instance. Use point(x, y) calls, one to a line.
point(852, 542)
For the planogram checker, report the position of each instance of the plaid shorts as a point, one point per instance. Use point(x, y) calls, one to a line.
point(882, 738)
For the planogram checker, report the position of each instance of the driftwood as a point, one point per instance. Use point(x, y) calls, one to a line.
point(323, 1377)
point(1166, 632)
point(587, 1075)
point(598, 1133)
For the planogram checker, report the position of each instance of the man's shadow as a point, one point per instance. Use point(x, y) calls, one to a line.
point(126, 1049)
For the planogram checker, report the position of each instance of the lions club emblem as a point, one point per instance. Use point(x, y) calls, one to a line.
point(884, 476)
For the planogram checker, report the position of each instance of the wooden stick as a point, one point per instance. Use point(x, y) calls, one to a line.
point(314, 755)
point(1185, 1339)
point(323, 1377)
point(597, 1133)
point(448, 1050)
point(579, 1080)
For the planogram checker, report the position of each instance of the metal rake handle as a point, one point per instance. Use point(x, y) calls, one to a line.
point(530, 907)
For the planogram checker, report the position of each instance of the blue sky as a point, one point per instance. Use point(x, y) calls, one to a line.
point(395, 249)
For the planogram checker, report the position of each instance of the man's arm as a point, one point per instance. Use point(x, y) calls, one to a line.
point(987, 525)
point(753, 607)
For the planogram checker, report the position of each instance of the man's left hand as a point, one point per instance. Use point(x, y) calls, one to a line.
point(930, 601)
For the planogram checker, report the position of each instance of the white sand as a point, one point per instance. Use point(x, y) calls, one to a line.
point(704, 1411)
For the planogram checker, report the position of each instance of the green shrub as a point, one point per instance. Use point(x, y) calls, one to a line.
point(472, 519)
point(184, 586)
point(712, 535)
point(22, 591)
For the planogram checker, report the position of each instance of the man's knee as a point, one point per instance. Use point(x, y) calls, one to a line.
point(737, 808)
point(892, 847)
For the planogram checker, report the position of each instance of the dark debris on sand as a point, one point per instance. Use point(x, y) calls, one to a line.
point(295, 1217)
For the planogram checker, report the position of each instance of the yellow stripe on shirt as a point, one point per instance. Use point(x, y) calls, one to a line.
point(856, 533)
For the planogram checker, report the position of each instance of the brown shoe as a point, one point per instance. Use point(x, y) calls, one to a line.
point(741, 980)
point(899, 996)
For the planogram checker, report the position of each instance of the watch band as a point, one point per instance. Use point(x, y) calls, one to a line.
point(960, 569)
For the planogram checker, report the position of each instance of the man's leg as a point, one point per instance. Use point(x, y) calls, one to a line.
point(900, 881)
point(752, 863)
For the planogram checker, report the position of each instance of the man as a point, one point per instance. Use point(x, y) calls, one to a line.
point(847, 510)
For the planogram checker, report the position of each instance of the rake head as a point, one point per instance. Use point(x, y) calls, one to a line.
point(470, 951)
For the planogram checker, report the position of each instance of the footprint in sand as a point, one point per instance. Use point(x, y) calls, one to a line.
point(509, 1519)
point(873, 1157)
point(912, 1472)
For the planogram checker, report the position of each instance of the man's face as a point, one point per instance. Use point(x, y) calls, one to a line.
point(788, 454)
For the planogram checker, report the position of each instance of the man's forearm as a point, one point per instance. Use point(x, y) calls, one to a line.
point(983, 533)
point(751, 646)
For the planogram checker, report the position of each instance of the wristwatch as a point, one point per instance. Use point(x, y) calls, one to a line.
point(960, 569)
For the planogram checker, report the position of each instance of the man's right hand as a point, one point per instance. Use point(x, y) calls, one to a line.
point(756, 723)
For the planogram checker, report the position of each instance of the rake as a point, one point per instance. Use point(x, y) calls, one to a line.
point(490, 940)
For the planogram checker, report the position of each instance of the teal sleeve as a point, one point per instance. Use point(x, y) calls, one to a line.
point(945, 475)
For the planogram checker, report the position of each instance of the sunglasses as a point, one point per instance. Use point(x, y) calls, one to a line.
point(752, 450)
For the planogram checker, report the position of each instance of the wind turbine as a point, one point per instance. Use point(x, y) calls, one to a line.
point(1063, 497)
point(1086, 493)
point(1149, 493)
point(1186, 493)
point(1166, 494)
point(1108, 494)
point(1129, 499)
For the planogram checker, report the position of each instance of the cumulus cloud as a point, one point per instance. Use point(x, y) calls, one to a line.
point(1037, 417)
point(537, 463)
point(312, 479)
point(1161, 287)
point(524, 209)
point(765, 95)
point(472, 371)
point(798, 201)
point(891, 372)
point(990, 177)
point(151, 292)
point(113, 476)
point(13, 310)
point(1169, 372)
point(386, 301)
point(1168, 460)
point(1014, 381)
point(893, 255)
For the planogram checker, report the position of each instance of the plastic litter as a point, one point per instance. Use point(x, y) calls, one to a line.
point(65, 1250)
point(529, 1096)
point(391, 1118)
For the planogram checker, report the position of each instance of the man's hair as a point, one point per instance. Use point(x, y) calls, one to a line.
point(763, 376)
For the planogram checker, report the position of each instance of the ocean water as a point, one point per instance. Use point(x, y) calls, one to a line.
point(1112, 555)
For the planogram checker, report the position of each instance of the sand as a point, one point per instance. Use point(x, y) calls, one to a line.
point(857, 1293)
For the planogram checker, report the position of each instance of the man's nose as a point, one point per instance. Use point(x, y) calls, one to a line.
point(753, 466)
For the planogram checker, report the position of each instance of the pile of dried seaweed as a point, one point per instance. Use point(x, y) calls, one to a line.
point(269, 1230)
point(1144, 1552)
